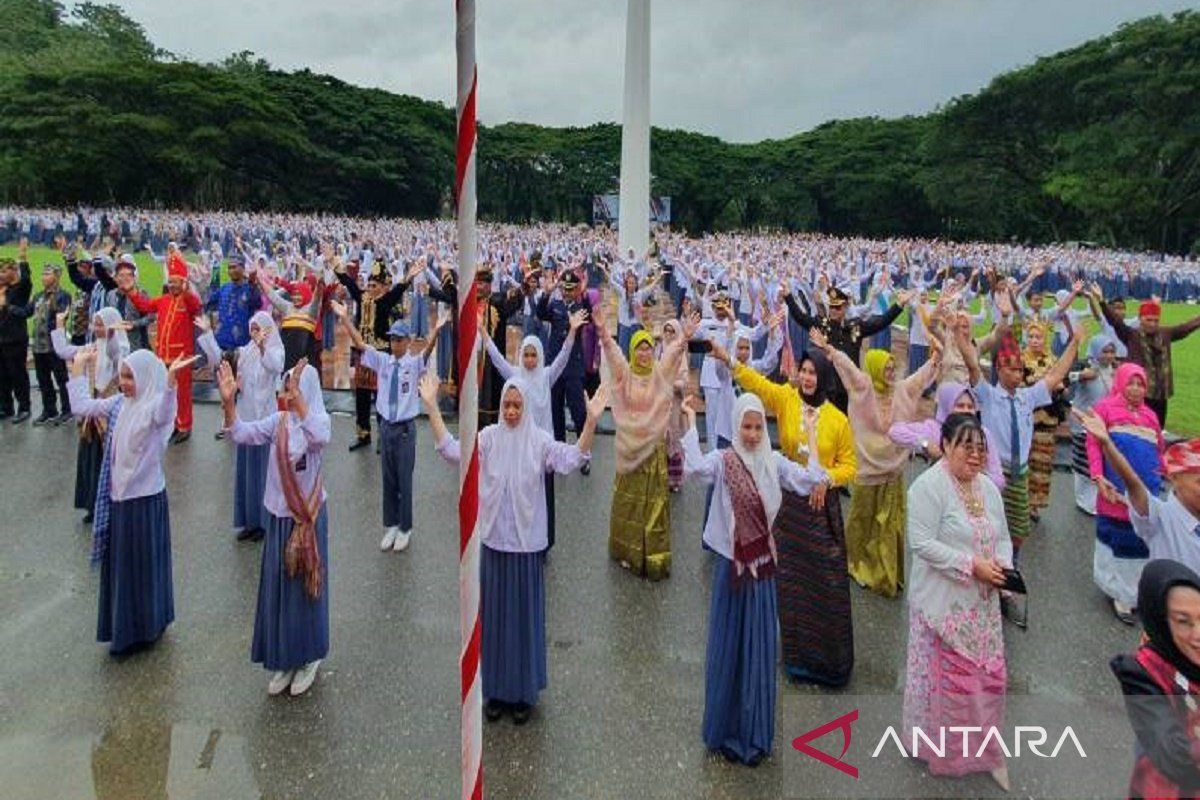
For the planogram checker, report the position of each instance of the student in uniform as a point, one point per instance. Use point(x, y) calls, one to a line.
point(131, 537)
point(291, 621)
point(398, 404)
point(514, 454)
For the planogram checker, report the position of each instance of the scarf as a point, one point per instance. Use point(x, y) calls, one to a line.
point(536, 388)
point(102, 511)
point(514, 466)
point(136, 421)
point(301, 555)
point(638, 338)
point(822, 367)
point(753, 546)
point(110, 351)
point(1158, 578)
point(755, 495)
point(874, 364)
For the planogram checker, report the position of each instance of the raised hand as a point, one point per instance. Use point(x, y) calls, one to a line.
point(183, 362)
point(202, 323)
point(60, 320)
point(817, 339)
point(691, 323)
point(577, 319)
point(226, 383)
point(1107, 490)
point(599, 316)
point(84, 357)
point(1092, 423)
point(720, 353)
point(428, 389)
point(598, 402)
point(689, 409)
point(339, 309)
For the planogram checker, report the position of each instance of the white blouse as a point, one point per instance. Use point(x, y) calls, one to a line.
point(945, 541)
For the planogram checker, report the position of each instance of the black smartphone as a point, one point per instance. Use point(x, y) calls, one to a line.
point(1014, 582)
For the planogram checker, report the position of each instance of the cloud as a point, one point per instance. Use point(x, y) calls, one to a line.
point(742, 71)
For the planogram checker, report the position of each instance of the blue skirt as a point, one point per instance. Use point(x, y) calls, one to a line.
point(137, 599)
point(87, 472)
point(739, 672)
point(290, 628)
point(250, 486)
point(513, 615)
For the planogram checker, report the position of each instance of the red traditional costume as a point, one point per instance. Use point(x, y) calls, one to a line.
point(175, 336)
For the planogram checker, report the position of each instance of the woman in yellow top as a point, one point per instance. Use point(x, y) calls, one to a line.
point(812, 581)
point(1038, 360)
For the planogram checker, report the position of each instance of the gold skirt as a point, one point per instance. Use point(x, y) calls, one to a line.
point(640, 524)
point(875, 536)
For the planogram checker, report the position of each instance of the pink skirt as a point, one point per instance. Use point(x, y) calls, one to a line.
point(945, 689)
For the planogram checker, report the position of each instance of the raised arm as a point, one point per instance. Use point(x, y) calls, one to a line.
point(1099, 441)
point(1059, 371)
point(428, 389)
point(1183, 330)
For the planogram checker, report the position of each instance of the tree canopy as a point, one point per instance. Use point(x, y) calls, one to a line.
point(1100, 142)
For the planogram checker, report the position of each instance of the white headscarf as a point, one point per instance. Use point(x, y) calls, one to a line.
point(258, 383)
point(310, 387)
point(536, 390)
point(135, 421)
point(760, 461)
point(516, 462)
point(110, 351)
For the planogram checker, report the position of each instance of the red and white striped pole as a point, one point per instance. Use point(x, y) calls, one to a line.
point(468, 405)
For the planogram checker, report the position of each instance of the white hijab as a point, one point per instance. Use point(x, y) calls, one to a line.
point(760, 461)
point(516, 462)
point(111, 350)
point(135, 421)
point(310, 387)
point(536, 390)
point(258, 384)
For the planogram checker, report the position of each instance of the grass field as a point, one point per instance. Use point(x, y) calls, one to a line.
point(1184, 414)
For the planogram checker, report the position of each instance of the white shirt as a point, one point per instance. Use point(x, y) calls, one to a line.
point(1169, 531)
point(384, 365)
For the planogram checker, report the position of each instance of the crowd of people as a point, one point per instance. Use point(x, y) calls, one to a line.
point(794, 328)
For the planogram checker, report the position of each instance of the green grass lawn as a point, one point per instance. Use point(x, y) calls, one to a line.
point(1184, 413)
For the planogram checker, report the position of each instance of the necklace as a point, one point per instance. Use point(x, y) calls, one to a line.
point(970, 499)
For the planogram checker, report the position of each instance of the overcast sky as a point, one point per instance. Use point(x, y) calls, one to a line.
point(743, 70)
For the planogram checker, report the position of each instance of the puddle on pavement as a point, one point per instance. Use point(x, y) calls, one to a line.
point(136, 761)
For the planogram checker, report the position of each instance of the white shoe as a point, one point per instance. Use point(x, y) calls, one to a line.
point(401, 541)
point(389, 538)
point(279, 682)
point(305, 677)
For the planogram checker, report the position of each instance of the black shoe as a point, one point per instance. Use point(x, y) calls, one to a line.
point(245, 534)
point(44, 419)
point(258, 534)
point(493, 710)
point(219, 435)
point(5, 414)
point(179, 437)
point(586, 469)
point(521, 713)
point(20, 417)
point(87, 518)
point(63, 418)
point(360, 444)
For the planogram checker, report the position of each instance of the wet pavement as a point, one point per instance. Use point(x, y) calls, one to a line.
point(190, 718)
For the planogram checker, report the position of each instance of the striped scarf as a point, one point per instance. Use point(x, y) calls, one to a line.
point(301, 555)
point(753, 545)
point(102, 513)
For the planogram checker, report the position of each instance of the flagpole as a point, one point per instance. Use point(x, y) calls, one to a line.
point(468, 404)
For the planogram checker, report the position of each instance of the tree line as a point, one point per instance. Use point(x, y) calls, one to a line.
point(1099, 143)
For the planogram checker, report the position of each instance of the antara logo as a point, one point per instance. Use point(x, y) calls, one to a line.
point(971, 741)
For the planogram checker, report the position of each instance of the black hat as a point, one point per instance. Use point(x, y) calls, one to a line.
point(570, 279)
point(377, 272)
point(837, 298)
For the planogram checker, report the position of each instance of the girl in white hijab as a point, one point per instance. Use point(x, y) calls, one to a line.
point(514, 454)
point(749, 478)
point(537, 380)
point(259, 364)
point(291, 623)
point(112, 346)
point(131, 538)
